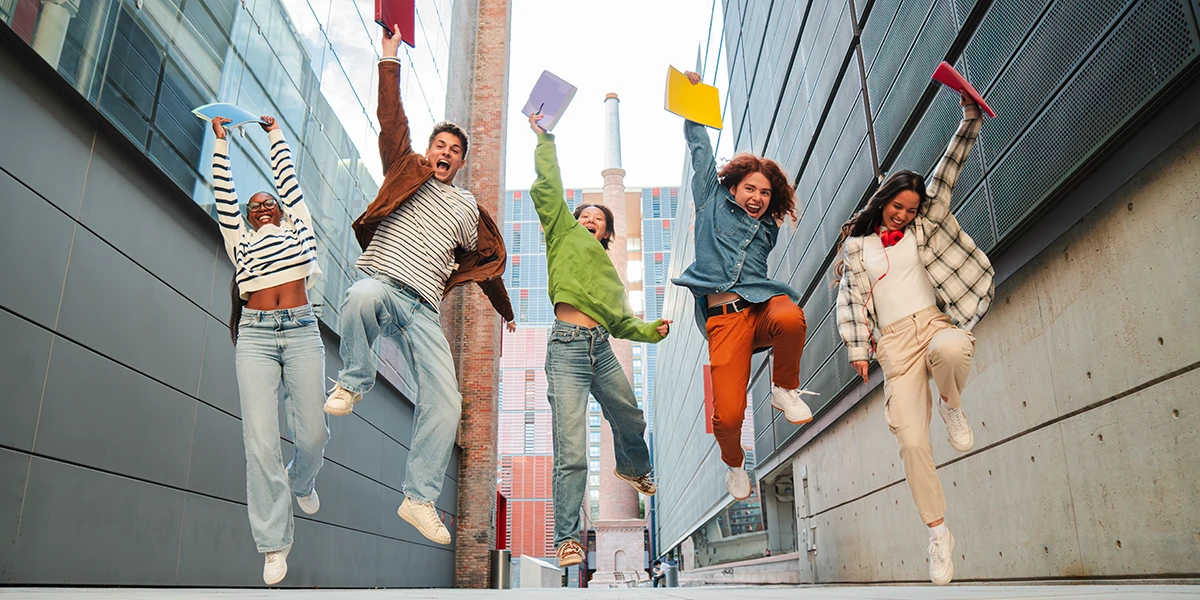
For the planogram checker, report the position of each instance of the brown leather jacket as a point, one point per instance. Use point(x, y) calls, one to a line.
point(404, 171)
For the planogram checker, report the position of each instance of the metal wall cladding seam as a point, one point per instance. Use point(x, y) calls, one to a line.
point(929, 48)
point(1145, 51)
point(781, 38)
point(976, 220)
point(1060, 39)
point(1001, 31)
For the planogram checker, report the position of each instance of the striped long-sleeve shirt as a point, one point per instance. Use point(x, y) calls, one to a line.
point(272, 255)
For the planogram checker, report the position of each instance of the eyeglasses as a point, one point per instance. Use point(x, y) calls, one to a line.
point(268, 204)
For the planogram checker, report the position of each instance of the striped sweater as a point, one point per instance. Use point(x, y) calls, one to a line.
point(272, 255)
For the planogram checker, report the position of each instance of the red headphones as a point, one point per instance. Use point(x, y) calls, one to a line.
point(888, 237)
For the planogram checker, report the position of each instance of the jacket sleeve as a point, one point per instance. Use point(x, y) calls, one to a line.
point(547, 190)
point(395, 139)
point(498, 295)
point(945, 175)
point(636, 330)
point(852, 322)
point(229, 216)
point(704, 165)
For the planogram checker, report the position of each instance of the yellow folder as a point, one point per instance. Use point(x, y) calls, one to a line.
point(699, 103)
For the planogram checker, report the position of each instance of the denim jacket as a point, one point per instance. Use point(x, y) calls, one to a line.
point(731, 246)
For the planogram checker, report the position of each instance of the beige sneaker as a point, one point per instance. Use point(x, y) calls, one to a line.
point(570, 553)
point(791, 402)
point(341, 401)
point(941, 559)
point(310, 504)
point(424, 517)
point(275, 567)
point(644, 484)
point(961, 436)
point(737, 481)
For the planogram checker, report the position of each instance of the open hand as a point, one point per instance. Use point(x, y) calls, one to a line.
point(268, 123)
point(861, 366)
point(218, 125)
point(511, 325)
point(391, 42)
point(533, 123)
point(692, 76)
point(665, 328)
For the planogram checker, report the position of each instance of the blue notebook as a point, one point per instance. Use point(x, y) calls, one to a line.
point(239, 115)
point(550, 96)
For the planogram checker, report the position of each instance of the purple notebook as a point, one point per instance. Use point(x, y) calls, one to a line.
point(550, 96)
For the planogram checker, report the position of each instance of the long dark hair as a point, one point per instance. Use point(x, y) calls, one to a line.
point(867, 220)
point(783, 195)
point(608, 221)
point(235, 311)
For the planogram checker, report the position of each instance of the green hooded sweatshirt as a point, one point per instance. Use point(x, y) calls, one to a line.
point(580, 272)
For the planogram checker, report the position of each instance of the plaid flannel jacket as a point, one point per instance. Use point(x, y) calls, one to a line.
point(960, 272)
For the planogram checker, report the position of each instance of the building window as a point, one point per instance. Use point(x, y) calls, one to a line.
point(595, 494)
point(594, 479)
point(516, 238)
point(594, 451)
point(594, 466)
point(637, 349)
point(637, 364)
point(633, 244)
point(637, 391)
point(593, 420)
point(593, 406)
point(637, 379)
point(594, 437)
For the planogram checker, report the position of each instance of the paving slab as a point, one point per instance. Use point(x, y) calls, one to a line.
point(1105, 591)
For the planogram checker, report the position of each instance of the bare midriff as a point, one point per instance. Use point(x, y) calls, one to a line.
point(722, 298)
point(283, 296)
point(569, 314)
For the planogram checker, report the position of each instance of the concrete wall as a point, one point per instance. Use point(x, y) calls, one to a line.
point(1084, 405)
point(121, 460)
point(539, 574)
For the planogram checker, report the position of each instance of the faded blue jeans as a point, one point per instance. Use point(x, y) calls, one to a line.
point(580, 361)
point(276, 346)
point(379, 306)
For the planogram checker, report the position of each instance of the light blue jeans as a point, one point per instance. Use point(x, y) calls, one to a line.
point(580, 361)
point(276, 346)
point(379, 306)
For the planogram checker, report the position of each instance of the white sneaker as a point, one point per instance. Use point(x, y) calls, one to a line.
point(737, 481)
point(424, 517)
point(311, 503)
point(791, 402)
point(275, 567)
point(956, 424)
point(941, 559)
point(341, 401)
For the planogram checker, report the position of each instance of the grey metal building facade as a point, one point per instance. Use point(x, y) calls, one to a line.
point(121, 458)
point(1091, 100)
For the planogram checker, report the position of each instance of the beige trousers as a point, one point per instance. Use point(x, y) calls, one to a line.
point(922, 345)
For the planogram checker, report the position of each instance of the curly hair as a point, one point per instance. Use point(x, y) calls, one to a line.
point(608, 221)
point(783, 195)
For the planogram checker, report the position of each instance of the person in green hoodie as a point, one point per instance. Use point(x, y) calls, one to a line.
point(589, 306)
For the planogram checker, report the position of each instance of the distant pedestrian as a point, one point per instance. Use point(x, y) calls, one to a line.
point(658, 574)
point(590, 305)
point(909, 272)
point(739, 308)
point(277, 341)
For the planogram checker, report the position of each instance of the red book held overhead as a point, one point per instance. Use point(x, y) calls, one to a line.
point(402, 13)
point(947, 76)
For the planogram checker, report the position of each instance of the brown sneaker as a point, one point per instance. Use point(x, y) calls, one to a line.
point(642, 483)
point(570, 553)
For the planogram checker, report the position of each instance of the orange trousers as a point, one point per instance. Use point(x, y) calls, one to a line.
point(732, 340)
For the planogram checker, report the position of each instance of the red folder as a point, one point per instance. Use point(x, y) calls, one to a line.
point(946, 75)
point(398, 12)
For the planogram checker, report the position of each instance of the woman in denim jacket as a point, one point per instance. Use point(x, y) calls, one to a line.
point(738, 307)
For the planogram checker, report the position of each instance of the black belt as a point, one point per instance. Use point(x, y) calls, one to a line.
point(729, 307)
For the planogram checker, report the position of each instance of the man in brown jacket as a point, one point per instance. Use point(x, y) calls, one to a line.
point(421, 237)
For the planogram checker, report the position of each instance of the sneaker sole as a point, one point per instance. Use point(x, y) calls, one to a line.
point(413, 521)
point(808, 420)
point(338, 412)
point(277, 580)
point(743, 497)
point(630, 482)
point(966, 448)
point(950, 573)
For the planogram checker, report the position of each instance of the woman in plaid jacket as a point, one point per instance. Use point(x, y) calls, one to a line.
point(911, 273)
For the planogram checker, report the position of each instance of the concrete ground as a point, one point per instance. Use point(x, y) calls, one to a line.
point(810, 592)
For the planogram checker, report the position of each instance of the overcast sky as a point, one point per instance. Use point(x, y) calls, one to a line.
point(621, 46)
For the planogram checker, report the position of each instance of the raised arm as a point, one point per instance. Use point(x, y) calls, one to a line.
point(228, 214)
point(547, 190)
point(704, 165)
point(291, 198)
point(395, 139)
point(636, 330)
point(945, 175)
